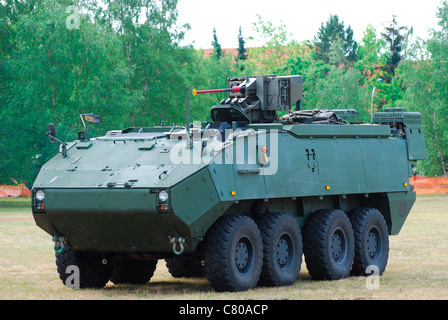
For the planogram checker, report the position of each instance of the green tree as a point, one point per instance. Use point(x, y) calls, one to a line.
point(394, 38)
point(334, 36)
point(270, 56)
point(52, 73)
point(340, 89)
point(216, 46)
point(372, 61)
point(242, 52)
point(312, 70)
point(121, 60)
point(371, 47)
point(150, 40)
point(425, 80)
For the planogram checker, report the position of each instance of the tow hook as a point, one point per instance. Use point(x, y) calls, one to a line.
point(177, 240)
point(60, 242)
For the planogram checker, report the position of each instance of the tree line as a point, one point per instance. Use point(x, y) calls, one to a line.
point(125, 61)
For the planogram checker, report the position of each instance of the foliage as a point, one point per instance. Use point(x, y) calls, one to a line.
point(123, 60)
point(216, 46)
point(334, 38)
point(426, 83)
point(268, 58)
point(242, 52)
point(131, 72)
point(394, 38)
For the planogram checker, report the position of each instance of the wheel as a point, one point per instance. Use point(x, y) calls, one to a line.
point(328, 244)
point(371, 240)
point(93, 268)
point(282, 249)
point(187, 267)
point(128, 270)
point(233, 254)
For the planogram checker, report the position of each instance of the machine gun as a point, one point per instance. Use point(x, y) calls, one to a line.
point(256, 99)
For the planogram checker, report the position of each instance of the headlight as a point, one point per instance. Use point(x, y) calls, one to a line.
point(163, 195)
point(40, 195)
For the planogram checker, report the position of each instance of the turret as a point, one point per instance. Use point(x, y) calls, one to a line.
point(256, 99)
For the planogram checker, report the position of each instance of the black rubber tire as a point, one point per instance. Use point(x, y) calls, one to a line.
point(185, 267)
point(371, 240)
point(282, 249)
point(92, 272)
point(132, 271)
point(328, 244)
point(233, 253)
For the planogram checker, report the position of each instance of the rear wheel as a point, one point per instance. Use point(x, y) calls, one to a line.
point(233, 254)
point(328, 244)
point(371, 240)
point(282, 249)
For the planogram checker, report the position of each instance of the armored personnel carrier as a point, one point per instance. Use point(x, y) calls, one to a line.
point(238, 199)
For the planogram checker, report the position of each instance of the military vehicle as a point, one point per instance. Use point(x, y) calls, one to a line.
point(238, 199)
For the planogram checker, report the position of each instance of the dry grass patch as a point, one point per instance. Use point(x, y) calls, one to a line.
point(417, 267)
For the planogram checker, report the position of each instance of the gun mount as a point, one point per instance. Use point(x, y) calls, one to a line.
point(256, 99)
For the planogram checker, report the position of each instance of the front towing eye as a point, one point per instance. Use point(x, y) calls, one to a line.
point(174, 241)
point(62, 240)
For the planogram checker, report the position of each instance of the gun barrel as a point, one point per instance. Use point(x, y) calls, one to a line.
point(233, 89)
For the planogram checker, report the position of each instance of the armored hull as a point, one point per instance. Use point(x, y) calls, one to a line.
point(103, 195)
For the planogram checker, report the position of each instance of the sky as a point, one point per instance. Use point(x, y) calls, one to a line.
point(301, 18)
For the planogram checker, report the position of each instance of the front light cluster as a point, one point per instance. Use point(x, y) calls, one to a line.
point(163, 202)
point(40, 195)
point(163, 196)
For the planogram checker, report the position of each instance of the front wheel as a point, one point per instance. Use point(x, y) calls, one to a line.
point(82, 269)
point(233, 254)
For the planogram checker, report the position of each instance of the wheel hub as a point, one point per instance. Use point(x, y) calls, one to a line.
point(372, 244)
point(282, 252)
point(338, 246)
point(242, 256)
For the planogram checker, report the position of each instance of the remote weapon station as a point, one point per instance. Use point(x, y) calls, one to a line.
point(238, 199)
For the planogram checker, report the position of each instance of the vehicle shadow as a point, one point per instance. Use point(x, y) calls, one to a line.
point(177, 286)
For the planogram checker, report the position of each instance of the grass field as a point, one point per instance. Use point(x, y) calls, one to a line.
point(417, 267)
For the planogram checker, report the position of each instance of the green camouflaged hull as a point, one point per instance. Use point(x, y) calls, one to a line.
point(104, 195)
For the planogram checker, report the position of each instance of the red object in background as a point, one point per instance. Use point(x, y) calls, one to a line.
point(14, 191)
point(430, 185)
